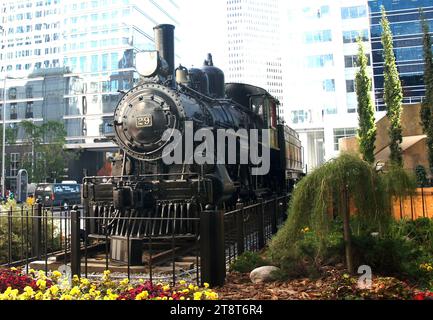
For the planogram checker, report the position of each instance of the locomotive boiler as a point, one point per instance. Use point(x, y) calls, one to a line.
point(160, 118)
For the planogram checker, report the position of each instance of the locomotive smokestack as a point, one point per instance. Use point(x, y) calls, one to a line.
point(164, 42)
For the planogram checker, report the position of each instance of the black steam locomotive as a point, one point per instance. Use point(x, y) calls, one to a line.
point(147, 120)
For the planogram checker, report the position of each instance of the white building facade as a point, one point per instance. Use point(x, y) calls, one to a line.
point(254, 52)
point(320, 68)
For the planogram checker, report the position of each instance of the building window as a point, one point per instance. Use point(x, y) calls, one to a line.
point(353, 12)
point(15, 159)
point(330, 110)
point(318, 36)
point(352, 61)
point(352, 36)
point(13, 114)
point(12, 93)
point(29, 110)
point(350, 86)
point(299, 116)
point(329, 85)
point(29, 92)
point(342, 133)
point(320, 61)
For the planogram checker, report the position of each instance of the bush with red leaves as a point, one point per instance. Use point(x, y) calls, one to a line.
point(16, 280)
point(427, 295)
point(153, 291)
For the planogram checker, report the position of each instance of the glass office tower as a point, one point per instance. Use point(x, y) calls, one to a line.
point(70, 61)
point(404, 18)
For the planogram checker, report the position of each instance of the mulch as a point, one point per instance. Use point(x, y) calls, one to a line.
point(238, 286)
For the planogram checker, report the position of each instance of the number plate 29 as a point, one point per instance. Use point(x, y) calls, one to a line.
point(144, 121)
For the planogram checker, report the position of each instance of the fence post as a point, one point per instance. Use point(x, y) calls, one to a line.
point(240, 227)
point(75, 242)
point(261, 224)
point(212, 249)
point(274, 216)
point(37, 230)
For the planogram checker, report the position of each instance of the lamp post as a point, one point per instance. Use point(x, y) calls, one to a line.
point(3, 178)
point(3, 181)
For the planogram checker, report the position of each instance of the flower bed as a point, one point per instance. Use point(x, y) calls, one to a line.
point(16, 285)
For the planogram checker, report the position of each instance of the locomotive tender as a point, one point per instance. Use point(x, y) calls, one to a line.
point(143, 186)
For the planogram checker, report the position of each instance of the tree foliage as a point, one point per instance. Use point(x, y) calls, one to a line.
point(317, 203)
point(393, 94)
point(367, 126)
point(427, 104)
point(47, 141)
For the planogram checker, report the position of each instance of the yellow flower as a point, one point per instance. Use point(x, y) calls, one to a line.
point(66, 297)
point(42, 284)
point(124, 282)
point(54, 290)
point(14, 269)
point(56, 274)
point(86, 297)
point(182, 298)
point(182, 282)
point(206, 285)
point(142, 296)
point(29, 290)
point(39, 296)
point(75, 291)
point(197, 295)
point(191, 287)
point(84, 282)
point(166, 288)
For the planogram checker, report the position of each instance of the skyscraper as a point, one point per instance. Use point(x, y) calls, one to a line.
point(320, 68)
point(254, 45)
point(404, 18)
point(88, 46)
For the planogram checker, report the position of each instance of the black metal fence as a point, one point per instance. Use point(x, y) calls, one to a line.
point(227, 234)
point(55, 238)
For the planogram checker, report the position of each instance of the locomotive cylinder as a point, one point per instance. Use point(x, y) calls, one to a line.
point(164, 42)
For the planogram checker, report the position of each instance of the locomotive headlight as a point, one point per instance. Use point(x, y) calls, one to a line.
point(143, 116)
point(149, 64)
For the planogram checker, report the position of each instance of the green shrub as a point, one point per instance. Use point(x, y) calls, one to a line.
point(421, 176)
point(247, 262)
point(420, 231)
point(21, 235)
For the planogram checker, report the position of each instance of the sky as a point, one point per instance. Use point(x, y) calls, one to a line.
point(202, 31)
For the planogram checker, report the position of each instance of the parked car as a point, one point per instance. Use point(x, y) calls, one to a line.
point(58, 194)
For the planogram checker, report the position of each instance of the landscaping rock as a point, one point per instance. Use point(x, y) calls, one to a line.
point(263, 274)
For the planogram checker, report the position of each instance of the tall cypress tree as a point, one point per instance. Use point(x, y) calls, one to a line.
point(367, 126)
point(427, 105)
point(393, 94)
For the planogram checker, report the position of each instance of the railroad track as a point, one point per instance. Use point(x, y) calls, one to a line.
point(161, 258)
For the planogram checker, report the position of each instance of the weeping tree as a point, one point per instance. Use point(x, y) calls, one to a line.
point(393, 94)
point(427, 104)
point(367, 125)
point(328, 194)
